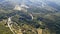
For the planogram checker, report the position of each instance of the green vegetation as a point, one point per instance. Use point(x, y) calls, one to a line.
point(44, 20)
point(4, 29)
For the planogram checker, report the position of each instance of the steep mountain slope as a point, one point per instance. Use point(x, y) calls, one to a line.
point(31, 15)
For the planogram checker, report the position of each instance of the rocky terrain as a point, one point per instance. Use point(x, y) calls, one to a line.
point(29, 17)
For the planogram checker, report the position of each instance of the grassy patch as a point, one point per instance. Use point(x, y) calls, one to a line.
point(4, 30)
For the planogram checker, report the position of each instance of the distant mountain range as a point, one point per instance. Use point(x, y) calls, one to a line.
point(42, 5)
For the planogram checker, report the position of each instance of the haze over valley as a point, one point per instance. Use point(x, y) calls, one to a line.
point(29, 16)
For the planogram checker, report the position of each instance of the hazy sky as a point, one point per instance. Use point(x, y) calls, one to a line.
point(57, 1)
point(39, 0)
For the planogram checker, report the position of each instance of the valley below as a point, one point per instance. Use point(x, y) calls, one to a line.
point(29, 17)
